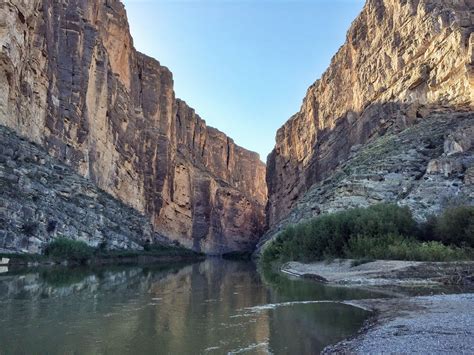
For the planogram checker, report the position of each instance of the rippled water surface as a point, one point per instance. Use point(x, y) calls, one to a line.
point(212, 307)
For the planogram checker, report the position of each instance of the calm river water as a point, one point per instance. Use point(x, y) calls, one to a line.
point(211, 307)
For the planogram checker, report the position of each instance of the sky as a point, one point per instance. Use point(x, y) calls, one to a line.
point(243, 65)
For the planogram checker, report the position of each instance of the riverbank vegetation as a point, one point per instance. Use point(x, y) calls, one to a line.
point(383, 231)
point(65, 250)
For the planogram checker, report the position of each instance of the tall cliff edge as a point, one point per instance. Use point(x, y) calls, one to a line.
point(402, 62)
point(72, 82)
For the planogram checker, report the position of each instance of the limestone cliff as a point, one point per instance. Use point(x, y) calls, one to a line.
point(72, 82)
point(402, 61)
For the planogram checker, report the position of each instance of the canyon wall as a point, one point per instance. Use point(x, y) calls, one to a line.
point(42, 199)
point(403, 61)
point(72, 82)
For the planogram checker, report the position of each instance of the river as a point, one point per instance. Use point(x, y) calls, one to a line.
point(211, 307)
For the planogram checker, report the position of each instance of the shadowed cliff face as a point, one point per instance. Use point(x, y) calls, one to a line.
point(401, 61)
point(427, 167)
point(72, 81)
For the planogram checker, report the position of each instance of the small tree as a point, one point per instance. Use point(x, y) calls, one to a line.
point(456, 226)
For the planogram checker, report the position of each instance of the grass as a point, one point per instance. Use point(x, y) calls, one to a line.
point(383, 231)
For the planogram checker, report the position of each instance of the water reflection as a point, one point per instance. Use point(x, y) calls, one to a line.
point(213, 307)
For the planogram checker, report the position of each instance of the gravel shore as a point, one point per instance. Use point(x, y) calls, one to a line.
point(442, 324)
point(385, 273)
point(435, 324)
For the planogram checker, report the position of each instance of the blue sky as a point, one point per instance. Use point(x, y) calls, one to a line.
point(243, 65)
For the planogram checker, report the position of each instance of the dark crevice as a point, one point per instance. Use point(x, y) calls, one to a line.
point(228, 152)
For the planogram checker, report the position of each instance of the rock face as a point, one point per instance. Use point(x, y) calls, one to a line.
point(42, 199)
point(72, 82)
point(413, 168)
point(402, 61)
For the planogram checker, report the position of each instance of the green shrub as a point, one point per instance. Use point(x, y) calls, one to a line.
point(395, 247)
point(381, 231)
point(63, 248)
point(426, 229)
point(327, 236)
point(456, 226)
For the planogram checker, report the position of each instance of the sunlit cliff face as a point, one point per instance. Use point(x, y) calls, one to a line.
point(401, 60)
point(72, 81)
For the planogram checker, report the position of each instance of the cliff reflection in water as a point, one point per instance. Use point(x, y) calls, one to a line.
point(211, 307)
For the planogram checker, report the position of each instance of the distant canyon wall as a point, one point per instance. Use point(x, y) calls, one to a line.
point(402, 61)
point(72, 82)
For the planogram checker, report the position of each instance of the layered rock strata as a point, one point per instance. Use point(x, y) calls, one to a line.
point(427, 167)
point(43, 199)
point(402, 60)
point(72, 82)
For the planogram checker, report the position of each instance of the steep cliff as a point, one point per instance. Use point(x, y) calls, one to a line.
point(403, 60)
point(42, 199)
point(72, 82)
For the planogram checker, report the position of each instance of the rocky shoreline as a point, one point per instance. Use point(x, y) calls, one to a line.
point(404, 323)
point(386, 273)
point(424, 324)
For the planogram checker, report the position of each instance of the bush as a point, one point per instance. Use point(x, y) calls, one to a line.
point(63, 248)
point(456, 226)
point(29, 228)
point(382, 231)
point(426, 229)
point(51, 227)
point(395, 247)
point(328, 235)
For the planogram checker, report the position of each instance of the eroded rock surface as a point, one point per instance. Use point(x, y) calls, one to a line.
point(43, 199)
point(72, 82)
point(411, 168)
point(402, 61)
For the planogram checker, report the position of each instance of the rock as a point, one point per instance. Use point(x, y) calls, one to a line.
point(402, 62)
point(10, 163)
point(459, 141)
point(4, 261)
point(427, 183)
point(72, 82)
point(444, 167)
point(469, 177)
point(33, 213)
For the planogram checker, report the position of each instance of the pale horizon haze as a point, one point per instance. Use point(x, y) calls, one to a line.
point(243, 65)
